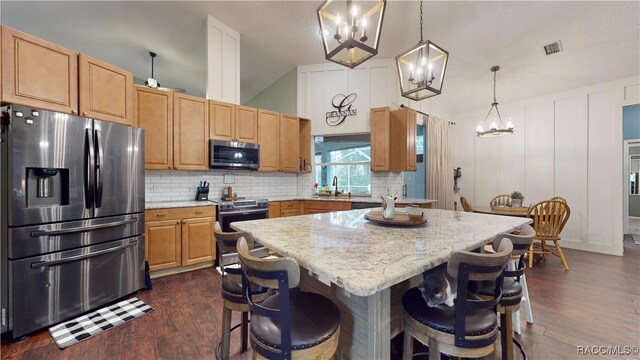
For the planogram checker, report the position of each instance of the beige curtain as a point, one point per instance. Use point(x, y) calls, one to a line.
point(439, 163)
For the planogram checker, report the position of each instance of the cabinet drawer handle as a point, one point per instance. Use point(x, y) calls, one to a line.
point(184, 221)
point(178, 222)
point(199, 212)
point(158, 215)
point(74, 112)
point(84, 113)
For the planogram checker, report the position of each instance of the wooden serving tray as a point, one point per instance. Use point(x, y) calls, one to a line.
point(398, 220)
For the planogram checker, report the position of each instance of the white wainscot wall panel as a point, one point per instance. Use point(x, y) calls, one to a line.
point(512, 159)
point(464, 141)
point(223, 62)
point(487, 170)
point(605, 167)
point(571, 148)
point(539, 157)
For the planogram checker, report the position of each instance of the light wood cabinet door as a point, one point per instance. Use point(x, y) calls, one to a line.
point(190, 132)
point(411, 141)
point(163, 248)
point(290, 212)
point(222, 118)
point(197, 241)
point(38, 73)
point(380, 139)
point(247, 124)
point(289, 143)
point(154, 114)
point(268, 138)
point(274, 209)
point(106, 91)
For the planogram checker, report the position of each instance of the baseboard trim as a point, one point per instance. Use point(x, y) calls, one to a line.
point(596, 248)
point(179, 270)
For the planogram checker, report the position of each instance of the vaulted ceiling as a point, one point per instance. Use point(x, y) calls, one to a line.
point(601, 40)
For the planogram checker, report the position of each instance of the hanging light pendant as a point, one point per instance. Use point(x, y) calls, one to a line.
point(351, 34)
point(494, 129)
point(421, 69)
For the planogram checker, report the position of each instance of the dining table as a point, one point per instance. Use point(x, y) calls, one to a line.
point(365, 268)
point(502, 210)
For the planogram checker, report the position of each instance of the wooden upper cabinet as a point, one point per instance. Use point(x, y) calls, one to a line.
point(403, 140)
point(38, 73)
point(268, 138)
point(247, 124)
point(190, 132)
point(222, 118)
point(106, 91)
point(198, 244)
point(154, 114)
point(289, 143)
point(380, 126)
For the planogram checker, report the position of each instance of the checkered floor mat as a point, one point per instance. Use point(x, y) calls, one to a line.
point(88, 325)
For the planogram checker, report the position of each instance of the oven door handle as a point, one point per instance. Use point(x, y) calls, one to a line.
point(40, 264)
point(223, 213)
point(82, 229)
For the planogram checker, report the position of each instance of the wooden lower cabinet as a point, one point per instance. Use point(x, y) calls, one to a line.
point(197, 241)
point(318, 206)
point(179, 237)
point(274, 209)
point(163, 248)
point(290, 212)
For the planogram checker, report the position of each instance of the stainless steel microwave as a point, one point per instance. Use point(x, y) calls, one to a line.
point(234, 155)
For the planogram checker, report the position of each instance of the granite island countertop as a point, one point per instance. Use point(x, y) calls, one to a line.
point(362, 199)
point(363, 258)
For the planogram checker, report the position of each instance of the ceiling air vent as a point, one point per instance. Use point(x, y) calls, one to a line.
point(553, 48)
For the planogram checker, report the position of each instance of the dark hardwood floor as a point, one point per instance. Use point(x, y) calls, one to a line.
point(596, 303)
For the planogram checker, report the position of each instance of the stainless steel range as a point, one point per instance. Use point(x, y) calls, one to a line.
point(241, 210)
point(72, 195)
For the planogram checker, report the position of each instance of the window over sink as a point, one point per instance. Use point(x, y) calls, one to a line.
point(349, 158)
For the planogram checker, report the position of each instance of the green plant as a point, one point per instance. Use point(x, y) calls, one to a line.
point(517, 195)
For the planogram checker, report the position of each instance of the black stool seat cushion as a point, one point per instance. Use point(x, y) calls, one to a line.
point(443, 317)
point(314, 319)
point(232, 283)
point(510, 288)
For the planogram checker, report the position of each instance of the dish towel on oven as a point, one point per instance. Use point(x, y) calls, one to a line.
point(83, 327)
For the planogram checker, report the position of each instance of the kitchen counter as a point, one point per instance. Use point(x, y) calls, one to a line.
point(363, 199)
point(176, 204)
point(365, 268)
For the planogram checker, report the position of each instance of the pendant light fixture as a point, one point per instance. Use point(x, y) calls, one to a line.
point(351, 33)
point(421, 69)
point(494, 129)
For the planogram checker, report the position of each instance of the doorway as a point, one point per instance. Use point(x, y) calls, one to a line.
point(415, 182)
point(631, 165)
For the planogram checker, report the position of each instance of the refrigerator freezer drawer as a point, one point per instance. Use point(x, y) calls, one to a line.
point(49, 238)
point(52, 288)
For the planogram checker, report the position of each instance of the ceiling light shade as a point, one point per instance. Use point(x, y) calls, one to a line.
point(495, 128)
point(421, 69)
point(351, 30)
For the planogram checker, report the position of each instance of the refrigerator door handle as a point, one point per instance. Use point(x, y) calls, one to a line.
point(99, 164)
point(89, 167)
point(83, 229)
point(40, 264)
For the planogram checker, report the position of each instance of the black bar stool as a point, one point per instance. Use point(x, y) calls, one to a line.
point(469, 328)
point(511, 288)
point(233, 297)
point(291, 324)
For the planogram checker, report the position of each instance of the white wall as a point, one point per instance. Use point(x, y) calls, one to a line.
point(223, 62)
point(567, 144)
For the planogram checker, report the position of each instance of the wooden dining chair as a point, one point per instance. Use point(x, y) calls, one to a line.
point(559, 198)
point(466, 205)
point(469, 328)
point(549, 218)
point(500, 200)
point(290, 324)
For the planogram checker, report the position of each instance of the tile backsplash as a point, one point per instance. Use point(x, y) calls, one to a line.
point(178, 185)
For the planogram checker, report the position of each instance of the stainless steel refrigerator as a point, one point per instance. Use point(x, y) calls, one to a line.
point(72, 193)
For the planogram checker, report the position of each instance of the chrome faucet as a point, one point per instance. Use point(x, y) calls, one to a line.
point(335, 183)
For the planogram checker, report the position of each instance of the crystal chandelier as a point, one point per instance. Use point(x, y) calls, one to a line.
point(494, 130)
point(421, 69)
point(346, 37)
